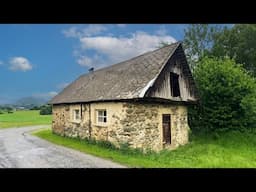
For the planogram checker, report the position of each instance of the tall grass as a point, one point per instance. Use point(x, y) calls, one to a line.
point(228, 150)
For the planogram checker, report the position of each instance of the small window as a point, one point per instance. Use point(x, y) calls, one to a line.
point(101, 116)
point(175, 87)
point(76, 115)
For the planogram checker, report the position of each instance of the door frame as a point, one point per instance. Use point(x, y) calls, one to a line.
point(169, 130)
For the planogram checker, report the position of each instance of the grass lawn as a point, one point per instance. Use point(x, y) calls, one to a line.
point(23, 118)
point(229, 150)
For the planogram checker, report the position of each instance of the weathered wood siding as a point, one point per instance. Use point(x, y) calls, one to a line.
point(162, 86)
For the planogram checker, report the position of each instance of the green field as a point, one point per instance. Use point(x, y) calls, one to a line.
point(226, 150)
point(23, 118)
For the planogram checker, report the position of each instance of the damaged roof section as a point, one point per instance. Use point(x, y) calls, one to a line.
point(126, 80)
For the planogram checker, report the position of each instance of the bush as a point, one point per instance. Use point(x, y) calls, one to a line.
point(227, 96)
point(106, 144)
point(46, 110)
point(124, 146)
point(35, 108)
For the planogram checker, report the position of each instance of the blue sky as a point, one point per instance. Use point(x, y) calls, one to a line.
point(41, 59)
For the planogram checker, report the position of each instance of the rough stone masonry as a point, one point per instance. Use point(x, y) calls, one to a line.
point(137, 124)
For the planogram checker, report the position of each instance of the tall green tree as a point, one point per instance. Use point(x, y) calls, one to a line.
point(238, 43)
point(198, 41)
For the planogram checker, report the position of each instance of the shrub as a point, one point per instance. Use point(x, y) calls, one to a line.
point(35, 108)
point(227, 96)
point(106, 144)
point(46, 110)
point(124, 146)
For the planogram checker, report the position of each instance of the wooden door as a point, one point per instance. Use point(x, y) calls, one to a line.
point(167, 129)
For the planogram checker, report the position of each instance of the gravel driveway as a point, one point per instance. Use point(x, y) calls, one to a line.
point(19, 149)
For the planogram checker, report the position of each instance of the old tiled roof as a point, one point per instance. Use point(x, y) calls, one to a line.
point(125, 80)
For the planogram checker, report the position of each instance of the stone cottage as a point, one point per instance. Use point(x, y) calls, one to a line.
point(141, 102)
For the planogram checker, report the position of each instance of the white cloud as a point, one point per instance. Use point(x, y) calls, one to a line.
point(94, 61)
point(71, 32)
point(84, 61)
point(121, 25)
point(117, 49)
point(91, 29)
point(62, 85)
point(20, 64)
point(98, 50)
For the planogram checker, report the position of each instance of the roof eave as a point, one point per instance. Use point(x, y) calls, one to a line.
point(146, 99)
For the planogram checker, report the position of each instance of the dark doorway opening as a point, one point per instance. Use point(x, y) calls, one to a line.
point(167, 129)
point(175, 87)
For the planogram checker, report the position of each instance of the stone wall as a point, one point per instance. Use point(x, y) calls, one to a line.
point(136, 124)
point(179, 124)
point(143, 124)
point(139, 126)
point(64, 125)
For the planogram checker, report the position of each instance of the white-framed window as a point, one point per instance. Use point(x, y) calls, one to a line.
point(101, 116)
point(76, 115)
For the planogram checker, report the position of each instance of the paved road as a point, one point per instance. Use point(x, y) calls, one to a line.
point(19, 149)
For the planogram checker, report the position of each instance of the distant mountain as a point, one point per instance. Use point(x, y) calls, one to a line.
point(26, 101)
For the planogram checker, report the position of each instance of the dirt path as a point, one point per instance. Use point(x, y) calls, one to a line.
point(19, 149)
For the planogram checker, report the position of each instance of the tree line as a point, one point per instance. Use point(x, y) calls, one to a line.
point(223, 63)
point(43, 109)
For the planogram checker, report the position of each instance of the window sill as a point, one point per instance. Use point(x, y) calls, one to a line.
point(100, 125)
point(76, 121)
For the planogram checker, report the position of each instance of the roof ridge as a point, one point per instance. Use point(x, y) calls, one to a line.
point(125, 80)
point(177, 42)
point(133, 58)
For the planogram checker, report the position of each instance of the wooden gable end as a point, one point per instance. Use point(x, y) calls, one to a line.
point(175, 81)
